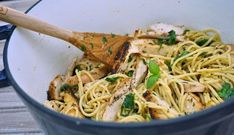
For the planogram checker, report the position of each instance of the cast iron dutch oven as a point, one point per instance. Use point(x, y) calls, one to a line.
point(31, 59)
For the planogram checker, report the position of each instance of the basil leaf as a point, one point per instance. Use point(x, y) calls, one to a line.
point(83, 47)
point(130, 58)
point(172, 37)
point(128, 105)
point(168, 63)
point(104, 40)
point(129, 101)
point(153, 67)
point(130, 73)
point(226, 92)
point(201, 42)
point(67, 87)
point(112, 79)
point(181, 55)
point(109, 50)
point(169, 40)
point(152, 80)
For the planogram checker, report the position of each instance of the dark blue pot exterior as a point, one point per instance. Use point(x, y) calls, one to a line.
point(215, 121)
point(200, 126)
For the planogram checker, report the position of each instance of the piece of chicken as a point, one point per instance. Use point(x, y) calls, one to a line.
point(96, 74)
point(116, 100)
point(192, 104)
point(54, 88)
point(139, 74)
point(71, 101)
point(156, 113)
point(55, 85)
point(194, 87)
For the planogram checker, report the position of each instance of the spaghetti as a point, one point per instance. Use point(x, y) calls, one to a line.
point(172, 74)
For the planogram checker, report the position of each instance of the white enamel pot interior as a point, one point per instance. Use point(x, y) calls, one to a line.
point(35, 59)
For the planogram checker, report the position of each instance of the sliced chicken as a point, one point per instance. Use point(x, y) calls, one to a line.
point(194, 87)
point(159, 114)
point(55, 85)
point(192, 104)
point(139, 74)
point(70, 100)
point(96, 74)
point(144, 47)
point(116, 100)
point(121, 60)
point(54, 88)
point(138, 46)
point(162, 28)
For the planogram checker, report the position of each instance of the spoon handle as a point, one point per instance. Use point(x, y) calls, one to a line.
point(20, 19)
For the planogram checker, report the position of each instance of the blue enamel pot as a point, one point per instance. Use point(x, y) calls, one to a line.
point(31, 60)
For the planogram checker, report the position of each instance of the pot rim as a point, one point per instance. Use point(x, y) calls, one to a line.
point(42, 108)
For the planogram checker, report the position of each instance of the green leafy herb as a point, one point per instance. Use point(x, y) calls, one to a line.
point(181, 55)
point(185, 31)
point(203, 54)
point(170, 39)
point(104, 40)
point(83, 48)
point(226, 92)
point(168, 63)
point(128, 105)
point(148, 117)
point(153, 67)
point(161, 41)
point(112, 79)
point(130, 58)
point(109, 50)
point(130, 73)
point(201, 42)
point(152, 80)
point(91, 44)
point(66, 87)
point(155, 71)
point(112, 35)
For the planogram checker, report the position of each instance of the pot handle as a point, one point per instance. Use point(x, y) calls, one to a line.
point(5, 32)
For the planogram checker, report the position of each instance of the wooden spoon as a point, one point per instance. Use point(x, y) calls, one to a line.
point(100, 46)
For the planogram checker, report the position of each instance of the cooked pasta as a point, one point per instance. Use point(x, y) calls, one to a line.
point(168, 72)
